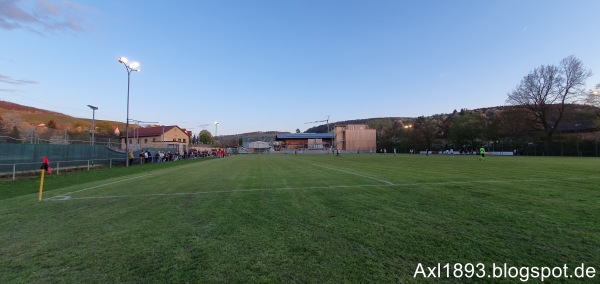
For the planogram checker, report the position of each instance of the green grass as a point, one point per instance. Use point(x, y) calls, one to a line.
point(300, 218)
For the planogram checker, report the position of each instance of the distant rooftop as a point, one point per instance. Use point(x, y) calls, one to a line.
point(151, 131)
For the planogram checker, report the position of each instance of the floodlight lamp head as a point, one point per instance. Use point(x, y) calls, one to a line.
point(123, 60)
point(135, 66)
point(92, 107)
point(216, 122)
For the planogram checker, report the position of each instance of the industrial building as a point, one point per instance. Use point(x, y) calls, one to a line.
point(352, 137)
point(303, 141)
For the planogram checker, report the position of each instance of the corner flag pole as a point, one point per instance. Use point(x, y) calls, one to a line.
point(41, 186)
point(45, 167)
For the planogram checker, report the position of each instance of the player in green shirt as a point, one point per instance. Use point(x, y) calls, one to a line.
point(482, 152)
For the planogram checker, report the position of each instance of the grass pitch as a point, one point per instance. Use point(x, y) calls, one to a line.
point(301, 218)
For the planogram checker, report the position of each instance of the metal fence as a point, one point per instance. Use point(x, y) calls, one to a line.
point(23, 159)
point(580, 148)
point(32, 153)
point(12, 170)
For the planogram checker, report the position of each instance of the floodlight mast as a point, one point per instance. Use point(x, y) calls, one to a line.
point(133, 66)
point(93, 119)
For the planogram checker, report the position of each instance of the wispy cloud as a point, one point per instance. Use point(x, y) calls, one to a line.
point(9, 91)
point(9, 80)
point(41, 15)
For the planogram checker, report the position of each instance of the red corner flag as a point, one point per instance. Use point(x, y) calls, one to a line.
point(46, 165)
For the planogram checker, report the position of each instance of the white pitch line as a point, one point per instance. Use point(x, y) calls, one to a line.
point(351, 173)
point(123, 180)
point(66, 197)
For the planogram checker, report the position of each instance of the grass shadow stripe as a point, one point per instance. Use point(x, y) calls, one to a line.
point(537, 180)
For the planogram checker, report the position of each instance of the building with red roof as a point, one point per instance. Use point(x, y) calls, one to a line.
point(158, 137)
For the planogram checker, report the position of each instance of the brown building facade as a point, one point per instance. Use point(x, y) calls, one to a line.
point(355, 137)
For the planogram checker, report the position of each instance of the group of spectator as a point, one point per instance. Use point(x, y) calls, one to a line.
point(148, 156)
point(192, 154)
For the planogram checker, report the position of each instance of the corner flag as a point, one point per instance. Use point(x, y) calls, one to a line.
point(46, 165)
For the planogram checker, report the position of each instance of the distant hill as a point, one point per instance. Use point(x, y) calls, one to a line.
point(4, 105)
point(25, 117)
point(323, 127)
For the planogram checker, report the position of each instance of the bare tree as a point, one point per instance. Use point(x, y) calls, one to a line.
point(515, 123)
point(548, 90)
point(14, 119)
point(14, 136)
point(593, 97)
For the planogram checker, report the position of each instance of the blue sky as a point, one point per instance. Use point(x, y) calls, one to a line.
point(262, 65)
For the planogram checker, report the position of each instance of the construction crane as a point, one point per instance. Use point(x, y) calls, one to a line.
point(327, 121)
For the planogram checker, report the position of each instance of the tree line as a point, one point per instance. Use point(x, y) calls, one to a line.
point(506, 128)
point(549, 106)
